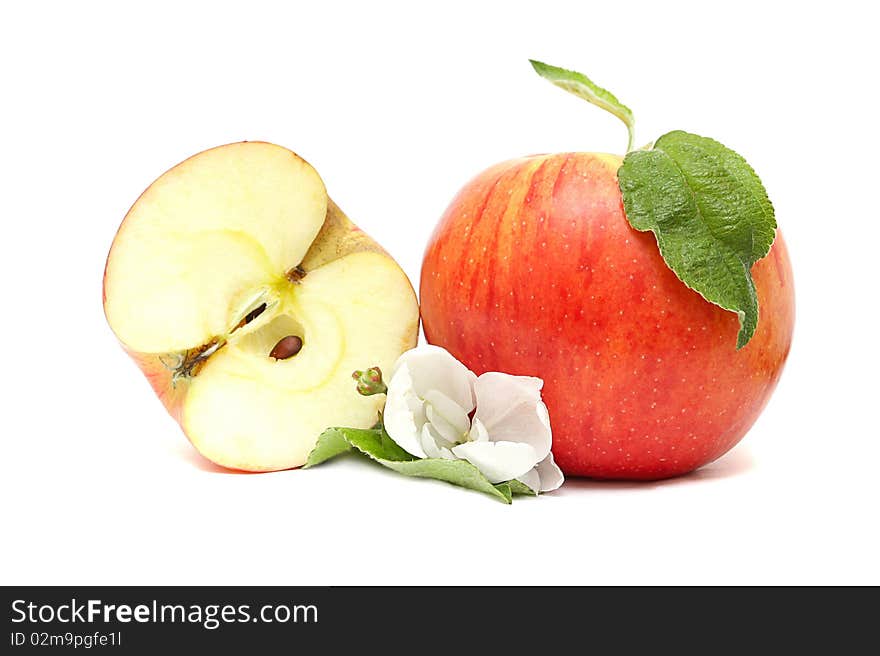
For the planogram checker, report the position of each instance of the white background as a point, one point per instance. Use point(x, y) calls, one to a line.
point(397, 106)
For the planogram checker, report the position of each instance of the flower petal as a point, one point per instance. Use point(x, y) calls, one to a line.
point(478, 432)
point(550, 474)
point(453, 413)
point(433, 368)
point(444, 429)
point(498, 461)
point(531, 479)
point(511, 409)
point(432, 447)
point(404, 415)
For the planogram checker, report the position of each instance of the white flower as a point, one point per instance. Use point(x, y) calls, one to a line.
point(431, 398)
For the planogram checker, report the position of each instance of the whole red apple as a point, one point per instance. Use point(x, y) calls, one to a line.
point(535, 270)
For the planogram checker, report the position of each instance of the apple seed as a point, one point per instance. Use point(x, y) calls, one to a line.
point(286, 347)
point(250, 316)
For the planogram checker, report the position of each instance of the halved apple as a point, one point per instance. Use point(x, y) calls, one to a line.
point(248, 299)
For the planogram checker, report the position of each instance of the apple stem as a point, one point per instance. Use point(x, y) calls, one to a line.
point(296, 274)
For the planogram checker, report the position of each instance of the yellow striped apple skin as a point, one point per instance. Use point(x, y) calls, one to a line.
point(534, 270)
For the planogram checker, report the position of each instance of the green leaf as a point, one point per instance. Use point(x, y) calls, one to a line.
point(504, 490)
point(457, 472)
point(518, 487)
point(373, 442)
point(376, 444)
point(583, 87)
point(710, 215)
point(330, 444)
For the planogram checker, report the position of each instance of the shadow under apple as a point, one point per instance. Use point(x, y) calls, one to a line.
point(736, 462)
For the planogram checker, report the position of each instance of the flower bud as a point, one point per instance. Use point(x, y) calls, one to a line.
point(369, 382)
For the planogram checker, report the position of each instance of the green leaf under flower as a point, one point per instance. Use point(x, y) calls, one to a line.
point(375, 443)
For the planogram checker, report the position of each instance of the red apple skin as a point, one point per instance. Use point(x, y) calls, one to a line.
point(534, 270)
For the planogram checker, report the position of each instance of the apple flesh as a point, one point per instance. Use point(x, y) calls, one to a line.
point(248, 298)
point(534, 270)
